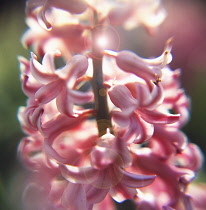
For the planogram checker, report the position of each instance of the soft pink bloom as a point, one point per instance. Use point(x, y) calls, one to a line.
point(42, 6)
point(69, 38)
point(55, 84)
point(139, 99)
point(107, 203)
point(168, 189)
point(130, 14)
point(149, 13)
point(138, 112)
point(176, 103)
point(190, 158)
point(142, 155)
point(197, 195)
point(62, 140)
point(106, 170)
point(44, 184)
point(168, 139)
point(147, 69)
point(51, 28)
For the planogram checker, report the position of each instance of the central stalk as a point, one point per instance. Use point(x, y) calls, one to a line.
point(100, 92)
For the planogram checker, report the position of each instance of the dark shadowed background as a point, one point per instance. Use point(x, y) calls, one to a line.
point(186, 22)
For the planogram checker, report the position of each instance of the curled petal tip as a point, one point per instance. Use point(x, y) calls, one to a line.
point(110, 53)
point(58, 52)
point(136, 180)
point(33, 56)
point(20, 58)
point(43, 21)
point(170, 42)
point(187, 178)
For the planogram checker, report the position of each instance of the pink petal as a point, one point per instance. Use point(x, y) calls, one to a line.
point(155, 117)
point(161, 144)
point(83, 175)
point(146, 131)
point(167, 208)
point(120, 146)
point(59, 124)
point(33, 4)
point(51, 152)
point(176, 137)
point(196, 157)
point(24, 65)
point(138, 130)
point(49, 92)
point(188, 202)
point(26, 148)
point(107, 203)
point(48, 61)
point(130, 62)
point(108, 177)
point(120, 192)
point(101, 157)
point(41, 17)
point(29, 89)
point(72, 6)
point(40, 73)
point(34, 196)
point(187, 177)
point(65, 103)
point(36, 116)
point(180, 103)
point(120, 118)
point(136, 181)
point(143, 94)
point(57, 189)
point(95, 195)
point(191, 157)
point(119, 14)
point(164, 59)
point(150, 100)
point(81, 97)
point(67, 98)
point(52, 129)
point(75, 68)
point(122, 98)
point(153, 163)
point(74, 197)
point(28, 112)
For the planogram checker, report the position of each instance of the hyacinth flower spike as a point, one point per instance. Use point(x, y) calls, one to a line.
point(71, 6)
point(105, 126)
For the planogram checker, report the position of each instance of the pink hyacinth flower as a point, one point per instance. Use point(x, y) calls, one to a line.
point(137, 105)
point(69, 38)
point(106, 173)
point(60, 84)
point(72, 6)
point(168, 188)
point(133, 13)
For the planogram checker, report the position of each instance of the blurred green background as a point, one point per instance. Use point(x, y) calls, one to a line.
point(185, 21)
point(11, 97)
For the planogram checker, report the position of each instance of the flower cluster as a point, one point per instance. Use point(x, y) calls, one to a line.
point(101, 124)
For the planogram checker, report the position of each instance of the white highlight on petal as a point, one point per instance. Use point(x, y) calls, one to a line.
point(146, 196)
point(102, 42)
point(110, 52)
